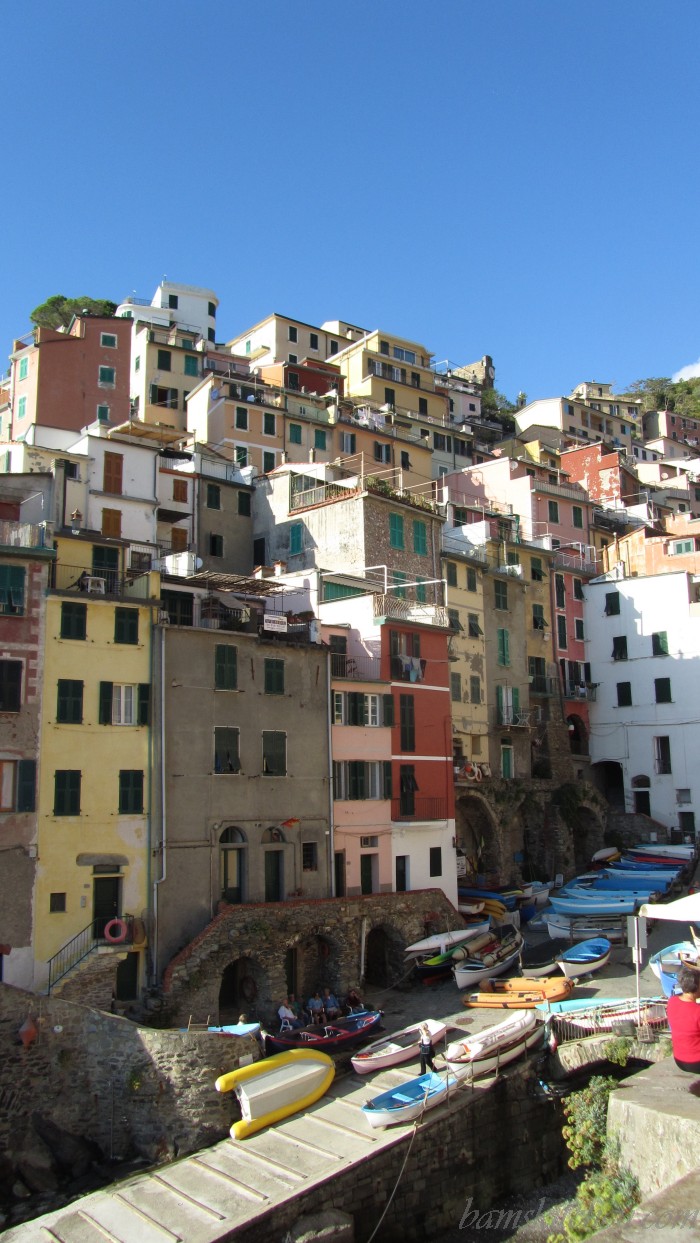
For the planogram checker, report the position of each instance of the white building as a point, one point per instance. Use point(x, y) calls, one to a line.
point(183, 306)
point(643, 635)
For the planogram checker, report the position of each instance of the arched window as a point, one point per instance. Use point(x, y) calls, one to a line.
point(232, 864)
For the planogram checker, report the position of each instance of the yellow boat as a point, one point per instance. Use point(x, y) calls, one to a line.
point(277, 1087)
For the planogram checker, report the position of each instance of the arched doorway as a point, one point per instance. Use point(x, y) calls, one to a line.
point(232, 865)
point(273, 841)
point(384, 957)
point(241, 983)
point(578, 734)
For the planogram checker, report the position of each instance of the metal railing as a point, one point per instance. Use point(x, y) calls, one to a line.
point(418, 808)
point(579, 690)
point(542, 685)
point(356, 668)
point(85, 943)
point(134, 585)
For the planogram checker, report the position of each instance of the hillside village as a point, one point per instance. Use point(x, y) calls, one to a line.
point(295, 617)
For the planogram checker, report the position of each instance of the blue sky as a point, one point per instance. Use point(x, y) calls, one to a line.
point(510, 177)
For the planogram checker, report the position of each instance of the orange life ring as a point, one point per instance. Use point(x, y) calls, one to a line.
point(477, 773)
point(470, 771)
point(115, 931)
point(248, 988)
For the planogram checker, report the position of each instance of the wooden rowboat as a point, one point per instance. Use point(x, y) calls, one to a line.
point(585, 958)
point(519, 994)
point(392, 1050)
point(496, 1046)
point(410, 1101)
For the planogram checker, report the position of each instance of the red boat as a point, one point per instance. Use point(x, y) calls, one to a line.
point(332, 1038)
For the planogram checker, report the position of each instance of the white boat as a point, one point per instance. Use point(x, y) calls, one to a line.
point(277, 1087)
point(410, 1100)
point(492, 960)
point(565, 928)
point(666, 963)
point(496, 1046)
point(440, 942)
point(470, 908)
point(540, 891)
point(585, 958)
point(607, 852)
point(392, 1050)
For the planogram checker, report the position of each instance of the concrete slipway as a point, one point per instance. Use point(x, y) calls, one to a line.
point(216, 1193)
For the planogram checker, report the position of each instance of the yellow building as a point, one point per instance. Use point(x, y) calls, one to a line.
point(95, 778)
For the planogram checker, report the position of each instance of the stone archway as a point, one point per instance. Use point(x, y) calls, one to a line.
point(242, 982)
point(313, 964)
point(384, 957)
point(578, 734)
point(477, 833)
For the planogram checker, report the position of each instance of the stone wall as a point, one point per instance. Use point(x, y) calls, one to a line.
point(327, 937)
point(131, 1090)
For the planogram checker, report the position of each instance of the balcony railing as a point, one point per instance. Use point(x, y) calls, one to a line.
point(86, 942)
point(418, 808)
point(133, 585)
point(542, 685)
point(356, 668)
point(23, 535)
point(580, 690)
point(410, 611)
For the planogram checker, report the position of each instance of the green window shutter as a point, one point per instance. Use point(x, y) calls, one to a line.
point(357, 779)
point(420, 537)
point(499, 705)
point(503, 657)
point(26, 785)
point(396, 530)
point(356, 708)
point(387, 782)
point(225, 667)
point(130, 791)
point(516, 700)
point(388, 709)
point(296, 539)
point(144, 706)
point(105, 717)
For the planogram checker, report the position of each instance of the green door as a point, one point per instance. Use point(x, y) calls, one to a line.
point(366, 873)
point(105, 901)
point(274, 871)
point(105, 564)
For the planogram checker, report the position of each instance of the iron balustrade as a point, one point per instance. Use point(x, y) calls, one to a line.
point(356, 668)
point(83, 581)
point(85, 943)
point(410, 807)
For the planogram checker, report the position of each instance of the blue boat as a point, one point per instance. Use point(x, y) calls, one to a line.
point(585, 958)
point(665, 963)
point(594, 905)
point(409, 1101)
point(577, 889)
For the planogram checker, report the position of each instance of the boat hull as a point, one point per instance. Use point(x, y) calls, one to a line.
point(665, 963)
point(518, 994)
point(332, 1038)
point(410, 1101)
point(585, 958)
point(484, 967)
point(393, 1050)
point(496, 1046)
point(277, 1087)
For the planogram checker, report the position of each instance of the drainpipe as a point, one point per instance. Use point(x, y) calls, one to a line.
point(363, 944)
point(163, 830)
point(331, 825)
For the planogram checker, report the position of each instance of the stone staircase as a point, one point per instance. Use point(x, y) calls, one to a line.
point(91, 981)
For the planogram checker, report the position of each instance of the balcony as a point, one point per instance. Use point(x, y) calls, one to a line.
point(413, 809)
point(355, 668)
point(23, 535)
point(542, 685)
point(513, 720)
point(410, 611)
point(580, 691)
point(102, 583)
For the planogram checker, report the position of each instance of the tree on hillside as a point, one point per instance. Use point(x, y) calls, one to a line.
point(58, 311)
point(660, 393)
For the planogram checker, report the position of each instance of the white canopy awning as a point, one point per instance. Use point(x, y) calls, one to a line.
point(687, 909)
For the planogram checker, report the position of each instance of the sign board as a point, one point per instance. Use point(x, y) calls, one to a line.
point(275, 621)
point(461, 864)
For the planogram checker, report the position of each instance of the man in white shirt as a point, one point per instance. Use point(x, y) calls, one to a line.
point(287, 1015)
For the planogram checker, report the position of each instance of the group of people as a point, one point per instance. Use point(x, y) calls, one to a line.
point(323, 1007)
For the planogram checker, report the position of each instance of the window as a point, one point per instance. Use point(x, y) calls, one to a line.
point(619, 651)
point(227, 757)
point(408, 790)
point(296, 538)
point(451, 573)
point(130, 792)
point(561, 630)
point(662, 690)
point(268, 423)
point(577, 514)
point(662, 754)
point(421, 591)
point(453, 619)
point(309, 857)
point(108, 340)
point(423, 405)
point(241, 456)
point(578, 589)
point(106, 377)
point(319, 438)
point(180, 490)
point(396, 530)
point(244, 504)
point(173, 301)
point(538, 621)
point(216, 545)
point(471, 579)
point(536, 571)
point(23, 368)
point(12, 590)
point(124, 703)
point(137, 363)
point(268, 461)
point(21, 407)
point(126, 625)
point(475, 689)
point(17, 785)
point(57, 903)
point(73, 620)
point(164, 360)
point(112, 473)
point(241, 419)
point(382, 453)
point(398, 578)
point(624, 694)
point(292, 334)
point(686, 822)
point(191, 364)
point(659, 643)
point(333, 347)
point(553, 510)
point(436, 860)
point(10, 685)
point(112, 523)
point(389, 397)
point(502, 647)
point(578, 629)
point(612, 603)
point(225, 667)
point(358, 779)
point(500, 595)
point(293, 377)
point(66, 798)
point(69, 703)
point(682, 546)
point(407, 722)
point(348, 442)
point(313, 340)
point(560, 591)
point(295, 433)
point(213, 496)
point(420, 537)
point(473, 628)
point(274, 753)
point(274, 677)
point(456, 687)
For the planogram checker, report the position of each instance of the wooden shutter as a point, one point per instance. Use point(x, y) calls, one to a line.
point(113, 469)
point(105, 717)
point(144, 704)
